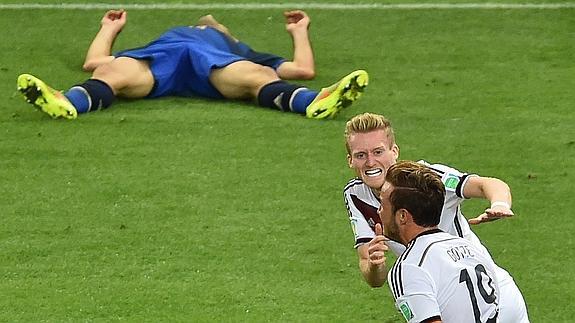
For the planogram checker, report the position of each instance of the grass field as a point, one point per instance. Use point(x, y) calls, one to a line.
point(195, 210)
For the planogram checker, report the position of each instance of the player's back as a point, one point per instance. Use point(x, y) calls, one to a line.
point(446, 276)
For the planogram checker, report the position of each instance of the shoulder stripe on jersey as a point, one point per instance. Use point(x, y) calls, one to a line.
point(396, 279)
point(400, 279)
point(457, 224)
point(396, 275)
point(351, 183)
point(459, 188)
point(437, 170)
point(393, 275)
point(428, 247)
point(462, 180)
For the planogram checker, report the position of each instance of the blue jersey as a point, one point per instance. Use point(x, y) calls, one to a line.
point(182, 59)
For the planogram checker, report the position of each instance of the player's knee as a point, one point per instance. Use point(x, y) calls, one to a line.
point(92, 64)
point(267, 71)
point(263, 76)
point(256, 77)
point(127, 77)
point(109, 73)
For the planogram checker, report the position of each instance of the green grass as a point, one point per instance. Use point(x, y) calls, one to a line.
point(195, 210)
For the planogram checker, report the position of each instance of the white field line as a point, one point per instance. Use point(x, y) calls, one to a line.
point(311, 5)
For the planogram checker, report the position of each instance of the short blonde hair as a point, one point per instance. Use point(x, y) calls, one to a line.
point(368, 122)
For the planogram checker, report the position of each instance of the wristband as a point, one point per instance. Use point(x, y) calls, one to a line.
point(500, 203)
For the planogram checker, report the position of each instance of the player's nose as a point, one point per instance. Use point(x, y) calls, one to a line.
point(370, 160)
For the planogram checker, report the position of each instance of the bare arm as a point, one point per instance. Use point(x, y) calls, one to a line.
point(302, 67)
point(100, 49)
point(495, 191)
point(372, 259)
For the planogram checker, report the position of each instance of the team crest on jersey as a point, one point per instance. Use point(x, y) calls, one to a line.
point(405, 311)
point(451, 181)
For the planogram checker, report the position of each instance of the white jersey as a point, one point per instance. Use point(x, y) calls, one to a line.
point(362, 204)
point(440, 275)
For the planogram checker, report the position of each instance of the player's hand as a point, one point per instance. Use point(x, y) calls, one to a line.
point(377, 248)
point(115, 19)
point(492, 214)
point(296, 19)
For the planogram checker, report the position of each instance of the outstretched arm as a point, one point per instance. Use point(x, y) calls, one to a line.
point(494, 190)
point(100, 49)
point(302, 67)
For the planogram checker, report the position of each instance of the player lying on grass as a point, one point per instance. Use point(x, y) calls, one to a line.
point(204, 60)
point(440, 277)
point(372, 149)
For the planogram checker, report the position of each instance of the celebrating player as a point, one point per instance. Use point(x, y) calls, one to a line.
point(372, 149)
point(440, 277)
point(204, 60)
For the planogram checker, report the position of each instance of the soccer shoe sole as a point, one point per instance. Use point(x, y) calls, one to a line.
point(347, 90)
point(44, 98)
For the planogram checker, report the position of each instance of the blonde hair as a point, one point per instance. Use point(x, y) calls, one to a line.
point(368, 122)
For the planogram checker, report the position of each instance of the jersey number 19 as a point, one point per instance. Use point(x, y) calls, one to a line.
point(488, 298)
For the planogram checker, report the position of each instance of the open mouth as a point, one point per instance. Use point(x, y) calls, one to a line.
point(374, 172)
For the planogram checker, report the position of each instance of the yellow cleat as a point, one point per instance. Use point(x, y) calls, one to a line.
point(45, 98)
point(331, 100)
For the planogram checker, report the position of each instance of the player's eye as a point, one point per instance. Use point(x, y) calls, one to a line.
point(359, 155)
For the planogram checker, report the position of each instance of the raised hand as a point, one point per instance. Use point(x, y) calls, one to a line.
point(377, 248)
point(296, 20)
point(114, 19)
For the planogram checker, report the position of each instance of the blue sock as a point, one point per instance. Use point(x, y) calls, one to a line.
point(90, 95)
point(285, 96)
point(79, 98)
point(302, 99)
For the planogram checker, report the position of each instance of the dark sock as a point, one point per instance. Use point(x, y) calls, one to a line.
point(91, 95)
point(285, 96)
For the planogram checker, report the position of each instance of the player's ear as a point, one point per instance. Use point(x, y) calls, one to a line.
point(349, 161)
point(402, 215)
point(395, 150)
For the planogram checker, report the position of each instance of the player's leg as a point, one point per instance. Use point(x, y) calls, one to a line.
point(247, 80)
point(209, 20)
point(242, 79)
point(127, 77)
point(123, 77)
